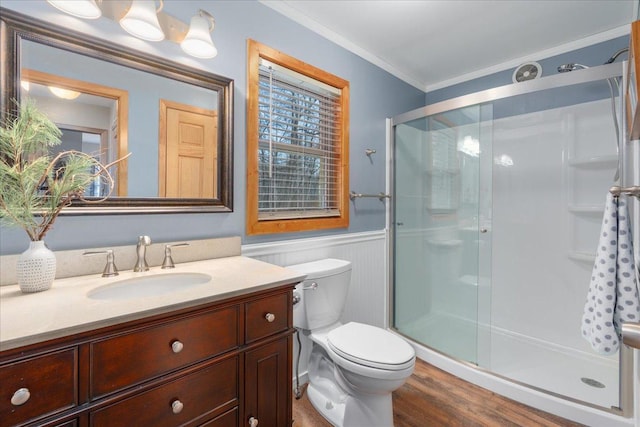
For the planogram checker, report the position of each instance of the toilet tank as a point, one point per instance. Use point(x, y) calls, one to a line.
point(323, 293)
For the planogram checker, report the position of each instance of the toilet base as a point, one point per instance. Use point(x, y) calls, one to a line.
point(332, 411)
point(375, 411)
point(339, 403)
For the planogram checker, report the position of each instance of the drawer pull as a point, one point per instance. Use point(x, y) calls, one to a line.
point(176, 406)
point(20, 397)
point(253, 422)
point(270, 317)
point(177, 346)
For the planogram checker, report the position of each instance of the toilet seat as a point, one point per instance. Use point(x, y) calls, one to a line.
point(371, 346)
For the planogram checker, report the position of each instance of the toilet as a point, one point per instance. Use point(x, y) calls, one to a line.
point(353, 368)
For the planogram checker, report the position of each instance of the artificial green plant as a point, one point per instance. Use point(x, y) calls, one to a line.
point(34, 185)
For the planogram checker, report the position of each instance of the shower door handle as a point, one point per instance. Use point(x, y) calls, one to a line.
point(631, 334)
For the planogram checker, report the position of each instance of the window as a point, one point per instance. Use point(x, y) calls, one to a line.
point(297, 145)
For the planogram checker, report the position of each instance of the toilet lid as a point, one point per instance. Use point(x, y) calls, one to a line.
point(371, 346)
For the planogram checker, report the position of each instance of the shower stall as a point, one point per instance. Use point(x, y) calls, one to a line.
point(498, 199)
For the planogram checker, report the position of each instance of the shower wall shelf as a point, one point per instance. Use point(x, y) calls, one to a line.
point(582, 256)
point(594, 161)
point(593, 210)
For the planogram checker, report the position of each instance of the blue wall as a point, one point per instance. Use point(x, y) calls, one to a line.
point(375, 95)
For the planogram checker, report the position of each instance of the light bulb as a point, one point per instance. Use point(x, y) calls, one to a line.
point(64, 93)
point(198, 41)
point(87, 9)
point(142, 21)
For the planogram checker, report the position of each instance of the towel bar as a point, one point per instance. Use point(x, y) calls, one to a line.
point(629, 191)
point(353, 195)
point(631, 334)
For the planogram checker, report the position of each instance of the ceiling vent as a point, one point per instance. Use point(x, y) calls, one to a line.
point(527, 71)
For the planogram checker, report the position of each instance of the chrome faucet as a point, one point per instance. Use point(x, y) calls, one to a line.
point(141, 251)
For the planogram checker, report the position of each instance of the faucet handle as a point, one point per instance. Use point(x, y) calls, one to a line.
point(110, 268)
point(168, 261)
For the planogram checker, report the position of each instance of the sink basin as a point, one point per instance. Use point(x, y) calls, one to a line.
point(148, 286)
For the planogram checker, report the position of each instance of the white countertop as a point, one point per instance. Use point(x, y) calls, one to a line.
point(65, 309)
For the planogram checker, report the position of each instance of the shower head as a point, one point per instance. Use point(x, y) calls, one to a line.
point(615, 55)
point(565, 68)
point(572, 66)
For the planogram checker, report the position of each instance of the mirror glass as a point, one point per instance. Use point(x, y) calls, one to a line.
point(108, 101)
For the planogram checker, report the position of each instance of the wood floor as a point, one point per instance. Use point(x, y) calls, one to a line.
point(432, 397)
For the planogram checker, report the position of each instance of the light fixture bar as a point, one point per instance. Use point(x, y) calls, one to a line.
point(173, 29)
point(199, 45)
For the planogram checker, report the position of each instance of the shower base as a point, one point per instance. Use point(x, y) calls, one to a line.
point(532, 362)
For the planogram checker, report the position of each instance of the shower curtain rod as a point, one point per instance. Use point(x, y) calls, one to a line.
point(600, 72)
point(629, 191)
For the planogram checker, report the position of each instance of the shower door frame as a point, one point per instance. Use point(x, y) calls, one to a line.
point(593, 74)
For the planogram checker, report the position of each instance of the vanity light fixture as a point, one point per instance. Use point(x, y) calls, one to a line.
point(87, 9)
point(142, 20)
point(198, 41)
point(64, 93)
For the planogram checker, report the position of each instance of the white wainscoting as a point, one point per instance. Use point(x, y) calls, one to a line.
point(367, 300)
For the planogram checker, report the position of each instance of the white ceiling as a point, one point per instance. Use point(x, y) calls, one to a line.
point(435, 43)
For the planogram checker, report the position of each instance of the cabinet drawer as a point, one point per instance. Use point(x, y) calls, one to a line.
point(176, 403)
point(266, 316)
point(228, 419)
point(46, 384)
point(130, 359)
point(72, 423)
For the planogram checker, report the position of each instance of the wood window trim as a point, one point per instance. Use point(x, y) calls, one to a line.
point(255, 51)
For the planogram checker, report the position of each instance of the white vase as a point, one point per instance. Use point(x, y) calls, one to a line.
point(36, 268)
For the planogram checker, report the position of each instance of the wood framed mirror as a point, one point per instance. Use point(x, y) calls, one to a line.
point(177, 121)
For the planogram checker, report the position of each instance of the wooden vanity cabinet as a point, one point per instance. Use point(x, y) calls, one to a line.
point(213, 365)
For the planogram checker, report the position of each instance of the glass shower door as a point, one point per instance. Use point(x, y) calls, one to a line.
point(496, 212)
point(437, 231)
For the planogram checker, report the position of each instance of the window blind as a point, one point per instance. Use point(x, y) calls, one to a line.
point(299, 145)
